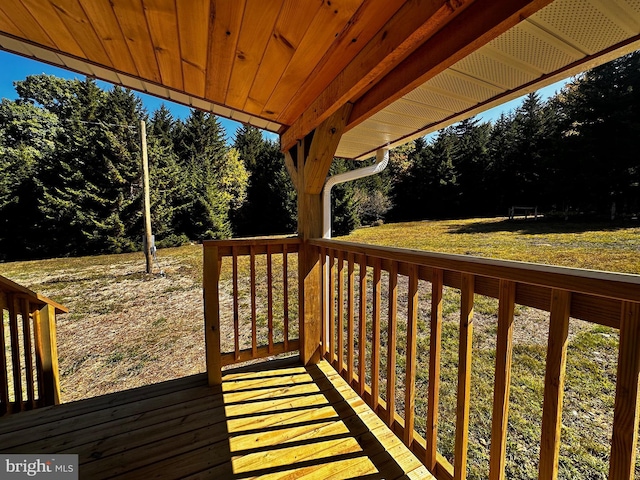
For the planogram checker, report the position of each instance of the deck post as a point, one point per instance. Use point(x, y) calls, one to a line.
point(210, 280)
point(47, 351)
point(313, 157)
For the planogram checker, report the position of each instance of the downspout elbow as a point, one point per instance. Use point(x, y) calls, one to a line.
point(382, 159)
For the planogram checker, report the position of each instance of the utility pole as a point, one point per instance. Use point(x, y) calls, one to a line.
point(146, 211)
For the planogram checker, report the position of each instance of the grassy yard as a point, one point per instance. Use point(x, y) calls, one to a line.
point(592, 351)
point(128, 329)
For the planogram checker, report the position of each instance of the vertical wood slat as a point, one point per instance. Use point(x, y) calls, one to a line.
point(28, 353)
point(625, 416)
point(391, 343)
point(332, 307)
point(211, 287)
point(362, 326)
point(4, 380)
point(39, 353)
point(252, 281)
point(375, 348)
point(435, 348)
point(350, 316)
point(269, 300)
point(285, 295)
point(325, 302)
point(411, 360)
point(554, 384)
point(502, 381)
point(340, 346)
point(15, 352)
point(464, 377)
point(236, 315)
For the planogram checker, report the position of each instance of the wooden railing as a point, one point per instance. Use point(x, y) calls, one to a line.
point(28, 352)
point(352, 329)
point(251, 300)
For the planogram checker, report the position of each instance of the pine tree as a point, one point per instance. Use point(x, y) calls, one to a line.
point(270, 206)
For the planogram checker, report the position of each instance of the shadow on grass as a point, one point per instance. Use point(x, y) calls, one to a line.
point(541, 227)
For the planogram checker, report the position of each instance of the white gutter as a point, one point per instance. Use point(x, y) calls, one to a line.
point(382, 159)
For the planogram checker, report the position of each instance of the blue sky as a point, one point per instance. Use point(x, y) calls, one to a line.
point(15, 67)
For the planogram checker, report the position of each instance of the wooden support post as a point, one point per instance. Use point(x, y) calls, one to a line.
point(625, 416)
point(212, 315)
point(148, 238)
point(310, 269)
point(47, 353)
point(313, 158)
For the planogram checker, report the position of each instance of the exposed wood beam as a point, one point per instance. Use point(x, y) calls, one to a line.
point(410, 27)
point(483, 21)
point(323, 147)
point(291, 168)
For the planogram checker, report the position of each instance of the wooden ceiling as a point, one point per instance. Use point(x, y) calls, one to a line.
point(287, 65)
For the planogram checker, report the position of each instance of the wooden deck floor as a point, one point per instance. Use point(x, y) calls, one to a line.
point(273, 420)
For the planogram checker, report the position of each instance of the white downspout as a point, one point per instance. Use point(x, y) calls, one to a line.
point(382, 159)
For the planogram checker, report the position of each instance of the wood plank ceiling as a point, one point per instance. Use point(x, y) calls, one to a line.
point(286, 65)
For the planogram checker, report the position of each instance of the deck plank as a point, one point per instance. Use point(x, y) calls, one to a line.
point(273, 420)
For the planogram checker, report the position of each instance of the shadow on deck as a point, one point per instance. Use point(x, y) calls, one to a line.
point(275, 419)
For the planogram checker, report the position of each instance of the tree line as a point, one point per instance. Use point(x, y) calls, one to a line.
point(70, 181)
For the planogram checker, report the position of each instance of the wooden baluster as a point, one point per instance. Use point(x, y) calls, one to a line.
point(211, 287)
point(285, 295)
point(464, 377)
point(391, 344)
point(236, 315)
point(502, 382)
point(332, 307)
point(340, 346)
point(252, 281)
point(28, 353)
point(4, 380)
point(269, 300)
point(410, 373)
point(15, 352)
point(435, 348)
point(350, 316)
point(625, 417)
point(362, 326)
point(324, 304)
point(375, 350)
point(554, 385)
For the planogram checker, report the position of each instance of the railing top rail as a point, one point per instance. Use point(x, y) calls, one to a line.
point(271, 240)
point(12, 287)
point(621, 286)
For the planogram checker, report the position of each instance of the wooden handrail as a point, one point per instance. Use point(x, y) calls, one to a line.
point(239, 251)
point(619, 286)
point(604, 298)
point(32, 356)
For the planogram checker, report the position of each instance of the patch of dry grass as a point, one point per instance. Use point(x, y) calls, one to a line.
point(125, 328)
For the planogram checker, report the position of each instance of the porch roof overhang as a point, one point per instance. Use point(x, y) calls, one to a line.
point(406, 68)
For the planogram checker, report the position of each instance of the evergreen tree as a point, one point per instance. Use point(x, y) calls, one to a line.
point(270, 206)
point(203, 157)
point(27, 136)
point(167, 180)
